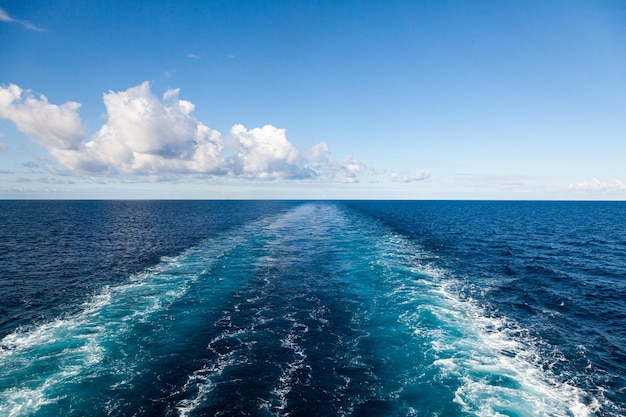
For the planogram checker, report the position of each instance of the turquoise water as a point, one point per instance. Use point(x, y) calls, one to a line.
point(314, 308)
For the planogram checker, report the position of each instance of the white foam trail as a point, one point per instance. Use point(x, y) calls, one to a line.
point(273, 236)
point(497, 367)
point(489, 363)
point(38, 364)
point(201, 383)
point(287, 377)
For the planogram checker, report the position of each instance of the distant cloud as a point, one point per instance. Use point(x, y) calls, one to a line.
point(148, 136)
point(31, 165)
point(193, 56)
point(3, 147)
point(54, 180)
point(231, 56)
point(346, 170)
point(599, 185)
point(265, 153)
point(420, 175)
point(5, 17)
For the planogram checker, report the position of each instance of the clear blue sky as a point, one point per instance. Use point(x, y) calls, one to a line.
point(315, 99)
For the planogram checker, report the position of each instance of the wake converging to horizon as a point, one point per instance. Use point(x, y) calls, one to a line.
point(312, 309)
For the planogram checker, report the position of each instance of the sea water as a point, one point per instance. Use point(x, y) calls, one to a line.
point(269, 308)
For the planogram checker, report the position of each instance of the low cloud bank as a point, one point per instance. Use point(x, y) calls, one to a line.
point(416, 176)
point(148, 136)
point(596, 185)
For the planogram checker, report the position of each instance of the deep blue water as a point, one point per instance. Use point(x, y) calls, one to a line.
point(381, 308)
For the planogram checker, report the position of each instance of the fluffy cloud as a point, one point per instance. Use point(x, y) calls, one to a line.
point(56, 127)
point(266, 153)
point(417, 176)
point(143, 135)
point(599, 185)
point(148, 136)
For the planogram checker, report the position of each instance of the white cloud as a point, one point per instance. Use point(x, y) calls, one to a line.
point(599, 185)
point(265, 153)
point(420, 175)
point(346, 170)
point(159, 139)
point(319, 154)
point(57, 127)
point(4, 17)
point(193, 56)
point(144, 135)
point(3, 147)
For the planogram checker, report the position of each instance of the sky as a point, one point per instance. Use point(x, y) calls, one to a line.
point(315, 99)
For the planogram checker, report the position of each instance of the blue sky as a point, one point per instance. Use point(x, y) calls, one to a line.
point(321, 99)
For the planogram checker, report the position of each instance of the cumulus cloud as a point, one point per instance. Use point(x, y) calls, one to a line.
point(5, 17)
point(420, 175)
point(266, 153)
point(57, 127)
point(145, 135)
point(599, 185)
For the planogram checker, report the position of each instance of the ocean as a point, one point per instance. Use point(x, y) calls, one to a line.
point(312, 308)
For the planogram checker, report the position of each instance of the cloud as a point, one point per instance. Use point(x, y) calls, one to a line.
point(420, 175)
point(193, 56)
point(56, 127)
point(346, 170)
point(3, 147)
point(54, 180)
point(31, 165)
point(599, 185)
point(4, 17)
point(147, 136)
point(265, 153)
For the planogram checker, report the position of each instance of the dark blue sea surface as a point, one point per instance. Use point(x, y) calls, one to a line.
point(270, 308)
